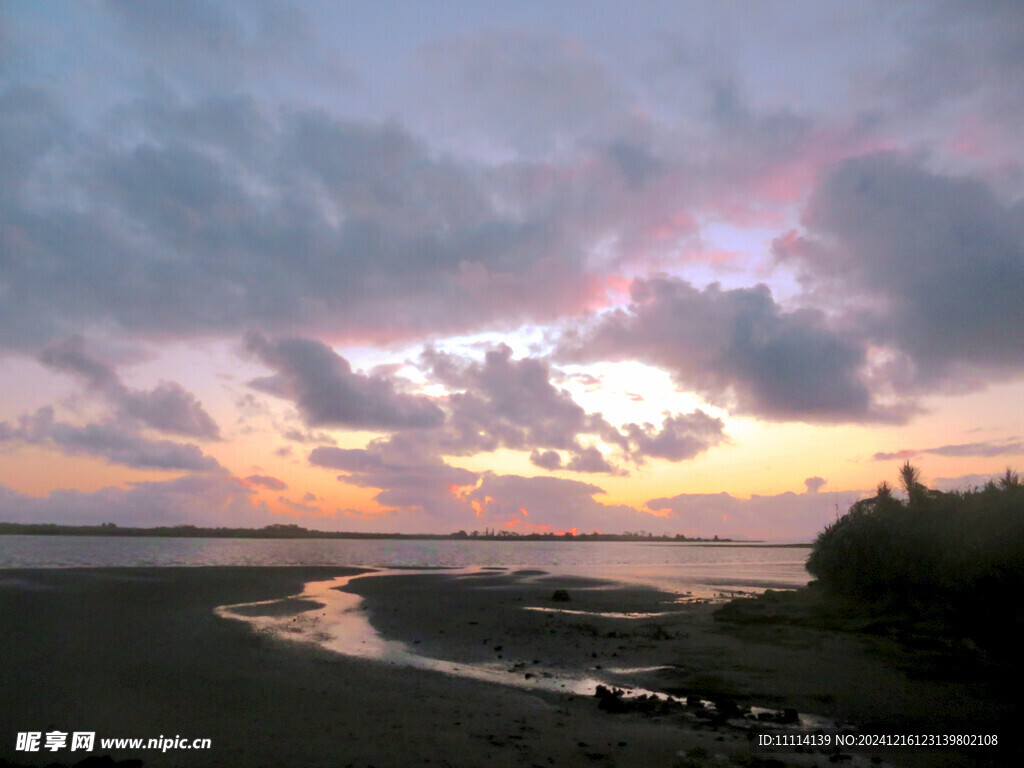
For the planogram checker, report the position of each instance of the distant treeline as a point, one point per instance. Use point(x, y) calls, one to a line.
point(297, 532)
point(959, 555)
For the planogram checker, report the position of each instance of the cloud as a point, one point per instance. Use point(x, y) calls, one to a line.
point(532, 91)
point(299, 436)
point(814, 484)
point(889, 456)
point(503, 402)
point(960, 52)
point(963, 482)
point(929, 266)
point(984, 449)
point(265, 481)
point(783, 516)
point(681, 437)
point(408, 476)
point(510, 403)
point(304, 507)
point(109, 440)
point(549, 460)
point(215, 499)
point(167, 408)
point(738, 349)
point(300, 221)
point(979, 449)
point(526, 504)
point(420, 488)
point(590, 459)
point(207, 41)
point(328, 392)
point(429, 492)
point(118, 437)
point(263, 218)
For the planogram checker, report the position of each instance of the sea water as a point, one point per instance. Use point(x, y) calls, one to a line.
point(676, 567)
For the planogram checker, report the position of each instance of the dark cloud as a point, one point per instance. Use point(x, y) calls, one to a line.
point(167, 408)
point(932, 264)
point(591, 460)
point(70, 356)
point(207, 41)
point(737, 348)
point(509, 403)
point(366, 228)
point(109, 440)
point(549, 460)
point(681, 437)
point(959, 51)
point(32, 124)
point(298, 221)
point(170, 408)
point(118, 437)
point(533, 92)
point(328, 392)
point(346, 459)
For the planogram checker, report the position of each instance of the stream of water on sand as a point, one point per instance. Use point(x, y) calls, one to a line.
point(331, 618)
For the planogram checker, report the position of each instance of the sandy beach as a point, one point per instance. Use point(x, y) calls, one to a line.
point(139, 652)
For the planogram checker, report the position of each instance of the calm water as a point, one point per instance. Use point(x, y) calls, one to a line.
point(678, 567)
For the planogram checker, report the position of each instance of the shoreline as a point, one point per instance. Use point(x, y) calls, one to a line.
point(138, 652)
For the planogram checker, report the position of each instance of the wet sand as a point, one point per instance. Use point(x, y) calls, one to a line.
point(140, 653)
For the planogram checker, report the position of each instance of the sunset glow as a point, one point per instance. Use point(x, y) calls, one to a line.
point(373, 271)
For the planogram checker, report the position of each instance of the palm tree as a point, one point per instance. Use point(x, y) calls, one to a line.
point(910, 479)
point(1010, 480)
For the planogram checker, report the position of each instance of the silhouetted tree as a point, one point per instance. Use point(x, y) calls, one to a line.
point(910, 478)
point(1010, 480)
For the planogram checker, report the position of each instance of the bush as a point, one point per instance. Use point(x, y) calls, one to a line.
point(961, 553)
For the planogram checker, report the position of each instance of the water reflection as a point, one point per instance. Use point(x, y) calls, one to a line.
point(326, 616)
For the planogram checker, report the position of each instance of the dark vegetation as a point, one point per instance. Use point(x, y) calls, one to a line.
point(930, 583)
point(940, 573)
point(955, 558)
point(298, 532)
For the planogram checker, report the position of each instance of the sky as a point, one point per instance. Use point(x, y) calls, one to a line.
point(699, 268)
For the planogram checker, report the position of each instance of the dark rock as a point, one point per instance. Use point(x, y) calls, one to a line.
point(560, 596)
point(789, 716)
point(727, 708)
point(611, 700)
